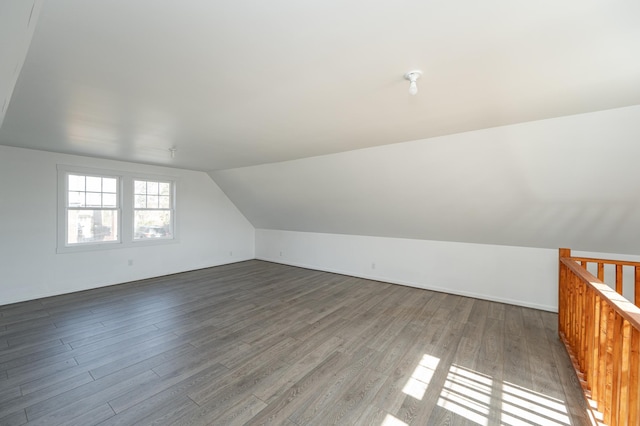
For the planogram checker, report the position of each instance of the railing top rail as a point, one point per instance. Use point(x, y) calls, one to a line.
point(606, 261)
point(622, 306)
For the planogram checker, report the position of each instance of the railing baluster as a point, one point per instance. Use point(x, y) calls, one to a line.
point(580, 323)
point(608, 401)
point(624, 372)
point(616, 368)
point(602, 362)
point(634, 379)
point(595, 350)
point(619, 279)
point(601, 271)
point(636, 287)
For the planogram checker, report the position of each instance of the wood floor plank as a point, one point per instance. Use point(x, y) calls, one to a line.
point(10, 354)
point(167, 414)
point(54, 379)
point(241, 412)
point(23, 401)
point(25, 375)
point(142, 401)
point(279, 409)
point(10, 393)
point(62, 409)
point(346, 409)
point(14, 419)
point(27, 363)
point(317, 404)
point(150, 357)
point(372, 415)
point(273, 386)
point(92, 417)
point(262, 343)
point(200, 358)
point(100, 355)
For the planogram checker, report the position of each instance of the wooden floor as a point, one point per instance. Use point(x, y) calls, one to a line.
point(257, 343)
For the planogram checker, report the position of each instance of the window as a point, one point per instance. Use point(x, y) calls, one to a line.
point(153, 209)
point(105, 209)
point(91, 209)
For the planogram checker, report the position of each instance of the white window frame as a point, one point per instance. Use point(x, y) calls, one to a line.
point(172, 207)
point(125, 209)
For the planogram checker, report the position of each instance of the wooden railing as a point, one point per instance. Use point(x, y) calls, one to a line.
point(601, 331)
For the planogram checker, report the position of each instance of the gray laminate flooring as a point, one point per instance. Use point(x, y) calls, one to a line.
point(262, 343)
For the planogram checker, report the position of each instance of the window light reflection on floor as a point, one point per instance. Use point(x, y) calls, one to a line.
point(520, 403)
point(392, 421)
point(419, 381)
point(469, 394)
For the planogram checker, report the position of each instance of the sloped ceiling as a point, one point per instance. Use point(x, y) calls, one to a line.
point(565, 182)
point(240, 83)
point(17, 22)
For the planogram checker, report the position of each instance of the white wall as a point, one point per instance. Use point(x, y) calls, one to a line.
point(523, 276)
point(517, 275)
point(209, 226)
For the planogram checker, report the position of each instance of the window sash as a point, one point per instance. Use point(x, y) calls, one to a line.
point(153, 209)
point(101, 221)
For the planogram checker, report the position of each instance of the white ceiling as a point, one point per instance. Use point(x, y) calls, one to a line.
point(238, 83)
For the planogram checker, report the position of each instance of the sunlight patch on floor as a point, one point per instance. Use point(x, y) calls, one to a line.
point(392, 421)
point(478, 397)
point(467, 394)
point(419, 381)
point(520, 403)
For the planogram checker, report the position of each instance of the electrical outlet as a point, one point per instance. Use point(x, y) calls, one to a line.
point(280, 254)
point(130, 262)
point(373, 265)
point(230, 253)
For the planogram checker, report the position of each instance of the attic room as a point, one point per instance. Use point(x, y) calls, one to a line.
point(284, 234)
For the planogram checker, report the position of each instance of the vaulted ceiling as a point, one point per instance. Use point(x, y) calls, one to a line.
point(524, 131)
point(242, 83)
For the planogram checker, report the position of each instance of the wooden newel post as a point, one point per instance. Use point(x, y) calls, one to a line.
point(562, 289)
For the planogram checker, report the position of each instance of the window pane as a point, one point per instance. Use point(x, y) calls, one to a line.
point(140, 201)
point(76, 199)
point(94, 184)
point(165, 188)
point(109, 200)
point(152, 188)
point(164, 202)
point(152, 224)
point(109, 185)
point(89, 226)
point(94, 199)
point(140, 187)
point(76, 183)
point(152, 201)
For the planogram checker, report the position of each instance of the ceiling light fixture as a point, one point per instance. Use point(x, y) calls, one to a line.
point(413, 76)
